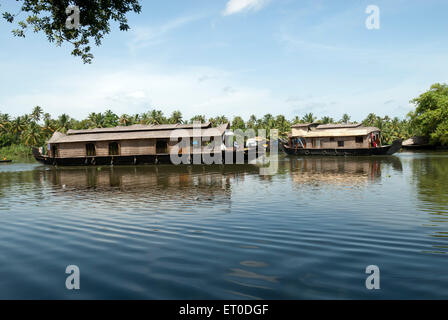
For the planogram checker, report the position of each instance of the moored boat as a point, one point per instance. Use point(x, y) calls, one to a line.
point(337, 140)
point(417, 143)
point(141, 144)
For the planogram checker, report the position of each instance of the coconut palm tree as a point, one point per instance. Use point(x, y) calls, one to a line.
point(125, 120)
point(46, 116)
point(4, 117)
point(309, 118)
point(282, 125)
point(144, 118)
point(17, 126)
point(37, 113)
point(63, 123)
point(198, 118)
point(326, 120)
point(110, 119)
point(268, 120)
point(370, 120)
point(4, 122)
point(4, 127)
point(96, 120)
point(26, 119)
point(296, 120)
point(345, 119)
point(252, 123)
point(216, 121)
point(135, 118)
point(176, 117)
point(32, 135)
point(48, 127)
point(156, 117)
point(238, 123)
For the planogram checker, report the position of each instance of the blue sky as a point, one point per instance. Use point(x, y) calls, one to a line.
point(238, 57)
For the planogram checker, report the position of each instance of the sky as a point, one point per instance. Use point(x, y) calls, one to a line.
point(237, 57)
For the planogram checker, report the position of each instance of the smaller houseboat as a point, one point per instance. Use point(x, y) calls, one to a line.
point(337, 139)
point(138, 144)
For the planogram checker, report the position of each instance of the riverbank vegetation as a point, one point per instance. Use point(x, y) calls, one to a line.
point(429, 119)
point(15, 152)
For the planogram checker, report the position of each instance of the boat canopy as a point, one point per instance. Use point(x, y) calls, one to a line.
point(139, 132)
point(331, 130)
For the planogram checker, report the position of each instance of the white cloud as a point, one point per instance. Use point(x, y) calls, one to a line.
point(236, 6)
point(146, 36)
point(134, 89)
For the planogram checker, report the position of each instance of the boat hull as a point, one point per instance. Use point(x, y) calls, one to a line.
point(126, 160)
point(381, 151)
point(419, 147)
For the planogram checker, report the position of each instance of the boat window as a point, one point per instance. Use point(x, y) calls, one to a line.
point(90, 150)
point(54, 151)
point(340, 143)
point(318, 143)
point(161, 146)
point(359, 139)
point(331, 139)
point(206, 141)
point(114, 149)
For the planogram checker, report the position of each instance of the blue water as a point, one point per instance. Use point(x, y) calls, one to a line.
point(226, 232)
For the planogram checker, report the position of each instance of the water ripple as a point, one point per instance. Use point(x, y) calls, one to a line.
point(187, 232)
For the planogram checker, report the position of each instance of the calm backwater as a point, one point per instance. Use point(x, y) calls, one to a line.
point(206, 232)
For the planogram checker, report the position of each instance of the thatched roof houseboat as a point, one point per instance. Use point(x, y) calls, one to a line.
point(134, 144)
point(337, 139)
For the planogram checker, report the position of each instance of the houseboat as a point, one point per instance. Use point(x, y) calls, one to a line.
point(137, 144)
point(337, 139)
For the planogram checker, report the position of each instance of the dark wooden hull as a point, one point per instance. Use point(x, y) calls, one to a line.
point(120, 160)
point(5, 161)
point(381, 151)
point(419, 147)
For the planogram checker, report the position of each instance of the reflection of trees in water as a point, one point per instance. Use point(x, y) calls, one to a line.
point(430, 176)
point(17, 180)
point(341, 171)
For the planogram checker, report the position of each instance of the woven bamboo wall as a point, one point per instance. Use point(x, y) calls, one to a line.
point(126, 147)
point(71, 150)
point(137, 147)
point(102, 148)
point(349, 143)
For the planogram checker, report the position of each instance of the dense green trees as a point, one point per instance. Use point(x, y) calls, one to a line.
point(34, 129)
point(391, 129)
point(429, 119)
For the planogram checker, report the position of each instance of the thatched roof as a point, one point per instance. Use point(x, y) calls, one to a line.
point(117, 133)
point(303, 125)
point(338, 131)
point(338, 125)
point(139, 127)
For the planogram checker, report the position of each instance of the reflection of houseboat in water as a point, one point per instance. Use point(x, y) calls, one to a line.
point(139, 144)
point(341, 171)
point(337, 139)
point(150, 183)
